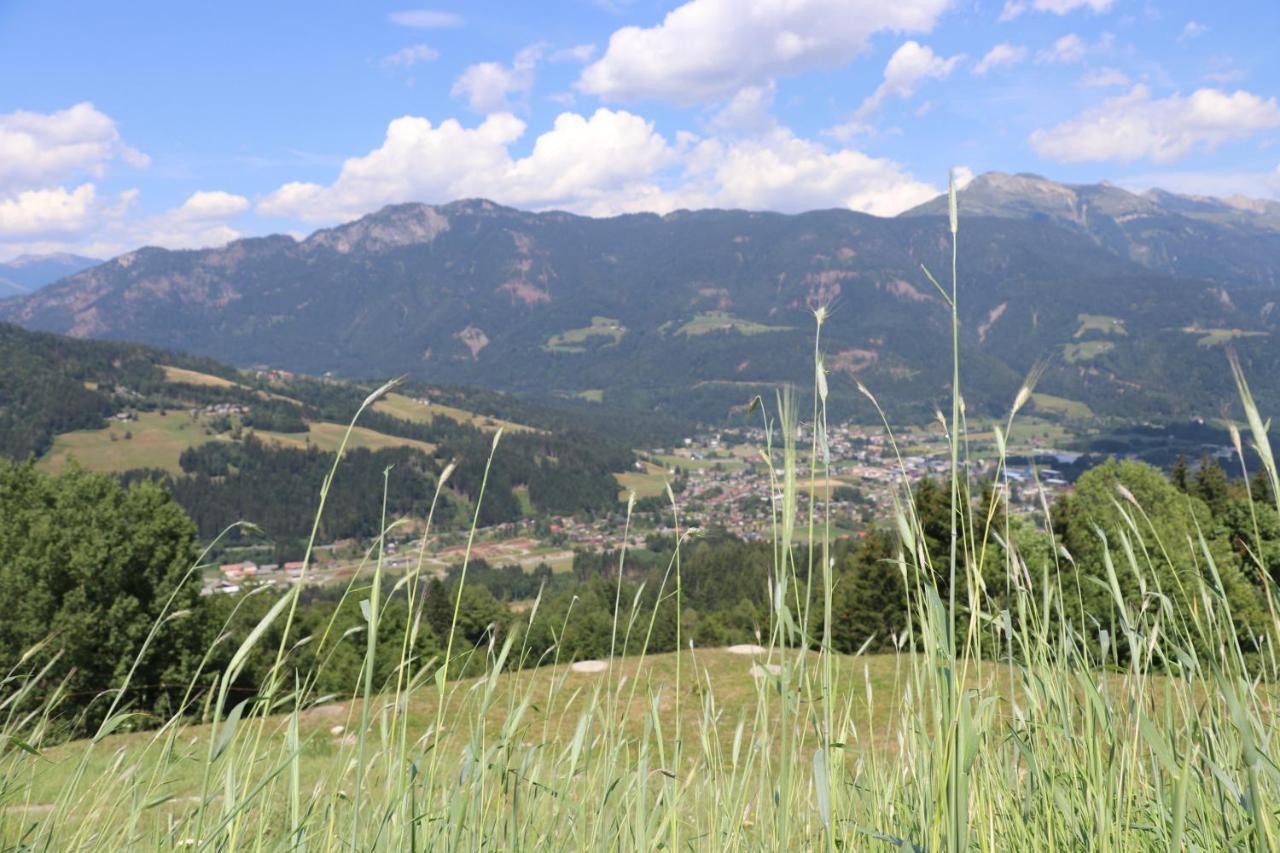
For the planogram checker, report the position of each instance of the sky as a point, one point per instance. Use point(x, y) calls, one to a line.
point(189, 125)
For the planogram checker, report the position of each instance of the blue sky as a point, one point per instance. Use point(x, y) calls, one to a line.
point(184, 125)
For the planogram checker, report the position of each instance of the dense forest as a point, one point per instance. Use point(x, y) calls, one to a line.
point(276, 488)
point(51, 384)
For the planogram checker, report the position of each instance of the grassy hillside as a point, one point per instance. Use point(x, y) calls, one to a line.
point(154, 440)
point(409, 409)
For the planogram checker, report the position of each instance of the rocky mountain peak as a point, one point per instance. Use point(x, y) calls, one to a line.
point(392, 226)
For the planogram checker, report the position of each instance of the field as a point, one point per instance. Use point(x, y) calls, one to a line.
point(1050, 404)
point(688, 463)
point(328, 437)
point(409, 409)
point(156, 441)
point(191, 377)
point(720, 321)
point(1086, 350)
point(1100, 323)
point(1218, 337)
point(649, 483)
point(573, 339)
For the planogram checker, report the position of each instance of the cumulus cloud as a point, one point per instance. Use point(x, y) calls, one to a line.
point(747, 111)
point(1136, 126)
point(205, 205)
point(781, 171)
point(40, 148)
point(44, 159)
point(488, 85)
point(963, 176)
point(910, 65)
point(1014, 8)
point(708, 49)
point(425, 19)
point(407, 57)
point(1000, 56)
point(81, 220)
point(610, 162)
point(578, 164)
point(47, 211)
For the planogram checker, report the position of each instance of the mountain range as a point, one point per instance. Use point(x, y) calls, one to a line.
point(27, 273)
point(1128, 300)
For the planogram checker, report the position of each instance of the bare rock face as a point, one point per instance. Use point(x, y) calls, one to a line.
point(398, 225)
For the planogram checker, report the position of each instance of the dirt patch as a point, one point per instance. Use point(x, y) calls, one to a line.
point(474, 338)
point(589, 666)
point(745, 649)
point(852, 361)
point(992, 316)
point(529, 294)
point(904, 290)
point(719, 294)
point(824, 286)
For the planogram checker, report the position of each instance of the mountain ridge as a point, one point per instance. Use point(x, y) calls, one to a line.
point(29, 272)
point(703, 309)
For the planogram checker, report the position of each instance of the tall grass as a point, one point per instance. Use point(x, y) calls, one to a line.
point(1003, 722)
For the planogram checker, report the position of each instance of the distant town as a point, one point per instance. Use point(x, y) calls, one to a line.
point(717, 480)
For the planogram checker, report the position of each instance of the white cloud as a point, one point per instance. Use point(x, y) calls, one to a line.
point(709, 49)
point(580, 53)
point(47, 211)
point(1104, 78)
point(79, 220)
point(580, 163)
point(425, 19)
point(1136, 126)
point(609, 162)
point(909, 66)
point(781, 171)
point(1014, 8)
point(1069, 48)
point(205, 205)
point(1192, 30)
point(407, 57)
point(1000, 56)
point(747, 111)
point(39, 148)
point(487, 85)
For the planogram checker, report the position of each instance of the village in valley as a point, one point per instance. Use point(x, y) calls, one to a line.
point(713, 480)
